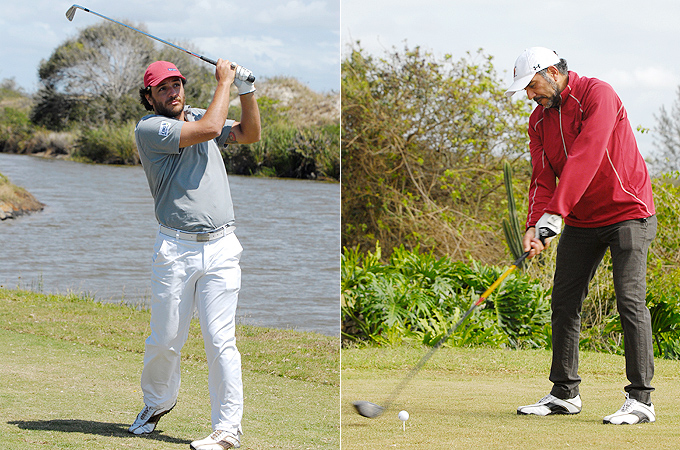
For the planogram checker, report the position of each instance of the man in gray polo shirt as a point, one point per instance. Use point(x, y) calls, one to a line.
point(196, 256)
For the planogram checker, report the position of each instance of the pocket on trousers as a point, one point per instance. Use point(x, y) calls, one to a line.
point(160, 250)
point(633, 234)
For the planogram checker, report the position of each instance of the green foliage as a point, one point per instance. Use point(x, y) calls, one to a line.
point(423, 143)
point(287, 150)
point(418, 297)
point(111, 144)
point(665, 248)
point(15, 125)
point(511, 228)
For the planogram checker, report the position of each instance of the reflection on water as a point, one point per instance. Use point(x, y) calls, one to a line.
point(96, 234)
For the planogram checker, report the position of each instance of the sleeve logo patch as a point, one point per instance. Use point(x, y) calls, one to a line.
point(164, 129)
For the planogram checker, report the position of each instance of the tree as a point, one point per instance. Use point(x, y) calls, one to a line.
point(668, 139)
point(104, 59)
point(423, 145)
point(93, 77)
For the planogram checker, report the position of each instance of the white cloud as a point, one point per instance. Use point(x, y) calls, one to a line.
point(643, 78)
point(264, 35)
point(308, 14)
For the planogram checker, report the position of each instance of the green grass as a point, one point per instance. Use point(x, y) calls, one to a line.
point(69, 379)
point(467, 398)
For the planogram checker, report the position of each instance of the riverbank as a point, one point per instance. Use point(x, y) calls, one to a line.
point(300, 133)
point(16, 201)
point(71, 379)
point(96, 235)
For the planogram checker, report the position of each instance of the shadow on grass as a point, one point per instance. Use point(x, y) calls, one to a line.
point(91, 427)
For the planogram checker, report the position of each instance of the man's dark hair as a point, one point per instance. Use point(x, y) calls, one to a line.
point(143, 91)
point(142, 98)
point(560, 66)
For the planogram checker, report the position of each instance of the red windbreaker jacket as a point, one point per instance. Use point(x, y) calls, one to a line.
point(588, 144)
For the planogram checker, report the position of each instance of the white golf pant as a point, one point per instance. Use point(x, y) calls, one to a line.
point(206, 276)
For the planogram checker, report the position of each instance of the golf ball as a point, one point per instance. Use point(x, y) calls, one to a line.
point(403, 415)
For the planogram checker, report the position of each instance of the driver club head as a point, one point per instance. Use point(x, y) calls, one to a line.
point(368, 409)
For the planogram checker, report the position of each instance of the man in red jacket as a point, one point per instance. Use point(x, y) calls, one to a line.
point(580, 135)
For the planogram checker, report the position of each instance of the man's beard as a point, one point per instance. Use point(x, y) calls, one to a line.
point(172, 111)
point(553, 101)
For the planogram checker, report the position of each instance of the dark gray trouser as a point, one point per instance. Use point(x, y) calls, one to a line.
point(579, 252)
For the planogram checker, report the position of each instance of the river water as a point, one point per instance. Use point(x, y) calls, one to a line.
point(96, 233)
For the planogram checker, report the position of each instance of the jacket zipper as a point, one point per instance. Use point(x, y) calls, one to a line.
point(564, 145)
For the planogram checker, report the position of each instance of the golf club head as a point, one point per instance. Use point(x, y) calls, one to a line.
point(368, 409)
point(71, 12)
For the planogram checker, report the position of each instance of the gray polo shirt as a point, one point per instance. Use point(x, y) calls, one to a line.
point(189, 185)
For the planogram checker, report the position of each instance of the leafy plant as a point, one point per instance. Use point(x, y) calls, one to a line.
point(418, 297)
point(511, 229)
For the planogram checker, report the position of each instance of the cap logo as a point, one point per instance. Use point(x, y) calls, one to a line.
point(537, 67)
point(170, 69)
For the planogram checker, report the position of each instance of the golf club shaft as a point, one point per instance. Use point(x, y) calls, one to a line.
point(451, 330)
point(72, 11)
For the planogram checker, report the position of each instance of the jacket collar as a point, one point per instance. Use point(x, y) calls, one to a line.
point(573, 77)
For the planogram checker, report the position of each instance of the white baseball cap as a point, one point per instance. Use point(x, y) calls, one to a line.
point(530, 62)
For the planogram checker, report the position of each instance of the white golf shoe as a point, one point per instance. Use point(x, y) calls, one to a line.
point(218, 440)
point(632, 412)
point(552, 405)
point(147, 420)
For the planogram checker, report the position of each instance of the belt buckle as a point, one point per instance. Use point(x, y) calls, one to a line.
point(202, 237)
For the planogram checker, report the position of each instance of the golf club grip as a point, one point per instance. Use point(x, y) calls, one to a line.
point(251, 78)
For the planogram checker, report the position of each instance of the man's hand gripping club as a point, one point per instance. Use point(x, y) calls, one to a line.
point(548, 226)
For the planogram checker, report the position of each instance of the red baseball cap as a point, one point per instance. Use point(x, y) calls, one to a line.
point(159, 71)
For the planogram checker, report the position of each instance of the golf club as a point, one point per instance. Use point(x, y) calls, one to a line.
point(373, 410)
point(72, 12)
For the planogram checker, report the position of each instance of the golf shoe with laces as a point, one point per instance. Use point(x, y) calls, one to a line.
point(552, 405)
point(218, 440)
point(147, 420)
point(632, 412)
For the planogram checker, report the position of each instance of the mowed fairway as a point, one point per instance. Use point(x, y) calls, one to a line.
point(64, 395)
point(467, 398)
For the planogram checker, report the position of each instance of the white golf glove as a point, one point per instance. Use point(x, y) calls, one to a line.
point(548, 225)
point(241, 81)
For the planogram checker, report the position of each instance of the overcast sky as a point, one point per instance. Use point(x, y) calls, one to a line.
point(631, 45)
point(298, 38)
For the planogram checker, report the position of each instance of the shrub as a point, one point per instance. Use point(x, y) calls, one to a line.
point(111, 144)
point(15, 127)
point(424, 139)
point(417, 296)
point(287, 150)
